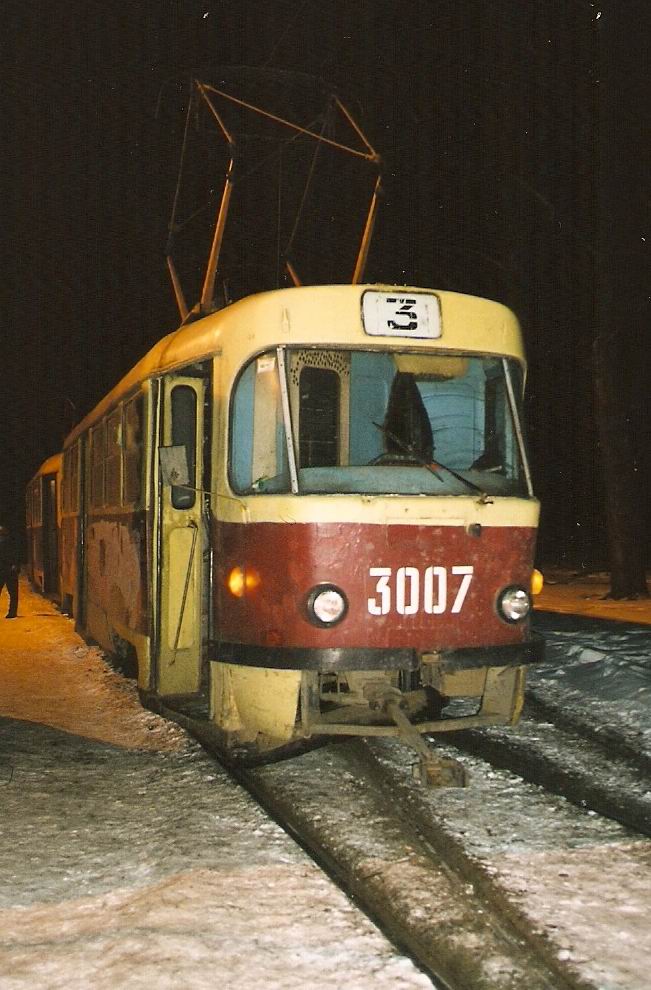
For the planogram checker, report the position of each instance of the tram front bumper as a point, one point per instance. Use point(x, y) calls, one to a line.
point(471, 658)
point(330, 660)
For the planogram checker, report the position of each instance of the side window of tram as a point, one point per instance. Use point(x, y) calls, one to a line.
point(318, 437)
point(184, 434)
point(113, 468)
point(132, 446)
point(73, 478)
point(97, 457)
point(69, 482)
point(35, 498)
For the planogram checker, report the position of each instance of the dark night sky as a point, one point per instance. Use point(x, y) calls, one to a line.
point(515, 137)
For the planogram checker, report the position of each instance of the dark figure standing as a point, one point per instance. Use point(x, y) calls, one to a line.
point(9, 570)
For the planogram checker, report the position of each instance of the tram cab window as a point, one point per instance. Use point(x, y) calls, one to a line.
point(258, 448)
point(378, 422)
point(318, 441)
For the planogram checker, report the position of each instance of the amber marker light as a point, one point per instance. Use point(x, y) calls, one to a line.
point(537, 582)
point(235, 582)
point(242, 580)
point(251, 580)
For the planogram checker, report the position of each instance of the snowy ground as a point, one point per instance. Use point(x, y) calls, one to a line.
point(130, 859)
point(605, 666)
point(604, 672)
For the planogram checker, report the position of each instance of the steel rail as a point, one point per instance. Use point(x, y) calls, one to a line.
point(585, 771)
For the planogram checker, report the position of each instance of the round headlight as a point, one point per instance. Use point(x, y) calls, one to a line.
point(514, 604)
point(326, 605)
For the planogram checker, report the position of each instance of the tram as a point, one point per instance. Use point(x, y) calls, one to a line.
point(43, 525)
point(310, 512)
point(305, 509)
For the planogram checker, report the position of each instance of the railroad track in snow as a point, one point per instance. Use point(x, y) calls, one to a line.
point(359, 811)
point(433, 867)
point(592, 765)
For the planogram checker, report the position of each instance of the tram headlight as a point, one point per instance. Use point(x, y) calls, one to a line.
point(514, 604)
point(326, 605)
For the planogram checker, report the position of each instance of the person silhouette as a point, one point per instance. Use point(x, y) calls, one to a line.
point(9, 568)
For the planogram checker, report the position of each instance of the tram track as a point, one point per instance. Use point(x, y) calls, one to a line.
point(400, 850)
point(405, 853)
point(367, 823)
point(593, 767)
point(368, 826)
point(617, 736)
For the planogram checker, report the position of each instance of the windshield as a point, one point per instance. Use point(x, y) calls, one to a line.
point(377, 422)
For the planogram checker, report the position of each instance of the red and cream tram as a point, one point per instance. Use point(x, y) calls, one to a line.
point(308, 506)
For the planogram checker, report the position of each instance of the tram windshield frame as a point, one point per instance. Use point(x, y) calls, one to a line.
point(332, 421)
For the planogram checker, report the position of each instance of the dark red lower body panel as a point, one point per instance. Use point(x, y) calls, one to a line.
point(422, 588)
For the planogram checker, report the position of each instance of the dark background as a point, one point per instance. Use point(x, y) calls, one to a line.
point(515, 141)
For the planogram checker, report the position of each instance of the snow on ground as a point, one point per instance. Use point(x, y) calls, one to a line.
point(603, 667)
point(593, 902)
point(599, 891)
point(583, 882)
point(50, 676)
point(129, 857)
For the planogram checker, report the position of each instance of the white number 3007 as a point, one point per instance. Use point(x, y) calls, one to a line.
point(408, 593)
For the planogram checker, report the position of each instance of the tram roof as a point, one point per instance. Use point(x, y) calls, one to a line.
point(49, 466)
point(310, 316)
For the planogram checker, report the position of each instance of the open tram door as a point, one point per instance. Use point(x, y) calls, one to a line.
point(181, 537)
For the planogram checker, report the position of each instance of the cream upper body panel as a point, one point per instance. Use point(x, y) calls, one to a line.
point(379, 510)
point(332, 316)
point(311, 315)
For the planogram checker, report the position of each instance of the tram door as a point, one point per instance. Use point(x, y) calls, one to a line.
point(50, 536)
point(181, 537)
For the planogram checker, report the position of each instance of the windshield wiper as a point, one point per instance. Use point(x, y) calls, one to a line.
point(432, 466)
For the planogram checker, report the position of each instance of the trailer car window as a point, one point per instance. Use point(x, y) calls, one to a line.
point(37, 504)
point(70, 490)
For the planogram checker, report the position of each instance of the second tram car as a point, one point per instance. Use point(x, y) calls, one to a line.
point(312, 509)
point(43, 527)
